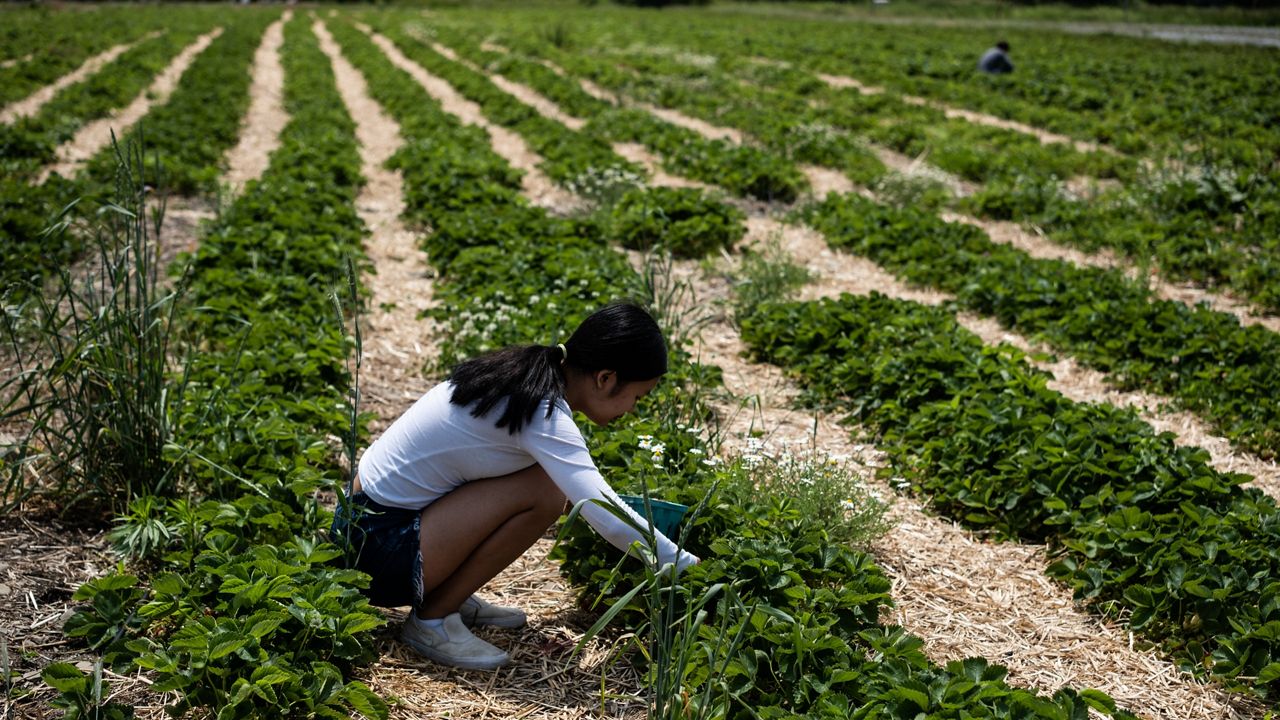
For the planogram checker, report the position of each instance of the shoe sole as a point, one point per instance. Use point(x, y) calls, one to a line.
point(511, 622)
point(463, 663)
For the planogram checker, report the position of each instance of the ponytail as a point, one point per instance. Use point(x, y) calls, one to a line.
point(621, 337)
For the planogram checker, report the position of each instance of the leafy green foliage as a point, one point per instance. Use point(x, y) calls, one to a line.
point(188, 135)
point(81, 696)
point(1204, 358)
point(252, 613)
point(93, 390)
point(1139, 523)
point(683, 221)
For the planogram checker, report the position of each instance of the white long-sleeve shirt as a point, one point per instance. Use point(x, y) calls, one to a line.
point(437, 446)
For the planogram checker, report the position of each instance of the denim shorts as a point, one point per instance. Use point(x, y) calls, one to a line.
point(383, 542)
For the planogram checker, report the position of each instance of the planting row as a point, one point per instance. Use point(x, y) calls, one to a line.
point(683, 221)
point(1143, 529)
point(189, 135)
point(743, 171)
point(1210, 225)
point(30, 143)
point(56, 43)
point(1203, 358)
point(247, 611)
point(1140, 96)
point(810, 642)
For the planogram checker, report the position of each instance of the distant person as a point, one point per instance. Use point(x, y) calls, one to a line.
point(996, 60)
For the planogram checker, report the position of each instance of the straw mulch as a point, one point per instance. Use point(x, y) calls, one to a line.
point(44, 560)
point(545, 678)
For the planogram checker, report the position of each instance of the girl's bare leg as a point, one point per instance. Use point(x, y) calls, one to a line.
point(474, 532)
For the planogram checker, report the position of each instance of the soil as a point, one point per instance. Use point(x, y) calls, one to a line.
point(397, 343)
point(266, 117)
point(43, 561)
point(13, 62)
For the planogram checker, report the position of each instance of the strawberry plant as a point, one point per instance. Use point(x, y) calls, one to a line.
point(683, 221)
point(1137, 522)
point(1204, 358)
point(252, 612)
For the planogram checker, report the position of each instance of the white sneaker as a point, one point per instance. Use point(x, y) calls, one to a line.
point(476, 611)
point(451, 644)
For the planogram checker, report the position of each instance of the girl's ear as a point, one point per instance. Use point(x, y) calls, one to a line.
point(604, 378)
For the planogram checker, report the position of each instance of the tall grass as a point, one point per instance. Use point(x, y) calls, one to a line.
point(94, 391)
point(675, 612)
point(767, 274)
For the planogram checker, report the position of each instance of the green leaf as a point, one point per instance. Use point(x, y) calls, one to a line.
point(366, 702)
point(65, 678)
point(1098, 700)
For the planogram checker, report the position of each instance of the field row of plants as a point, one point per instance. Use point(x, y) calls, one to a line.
point(1212, 224)
point(1216, 620)
point(241, 607)
point(233, 600)
point(189, 136)
point(55, 44)
point(807, 605)
point(30, 143)
point(1203, 358)
point(568, 154)
point(1144, 530)
point(1211, 103)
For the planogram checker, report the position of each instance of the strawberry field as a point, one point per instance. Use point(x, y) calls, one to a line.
point(974, 378)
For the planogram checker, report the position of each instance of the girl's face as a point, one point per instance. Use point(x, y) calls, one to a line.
point(606, 399)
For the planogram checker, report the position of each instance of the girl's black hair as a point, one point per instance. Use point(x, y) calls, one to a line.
point(622, 337)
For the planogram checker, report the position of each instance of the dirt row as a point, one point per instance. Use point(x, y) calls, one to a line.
point(1044, 136)
point(965, 597)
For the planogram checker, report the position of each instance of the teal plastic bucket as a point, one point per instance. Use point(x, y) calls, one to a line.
point(666, 515)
